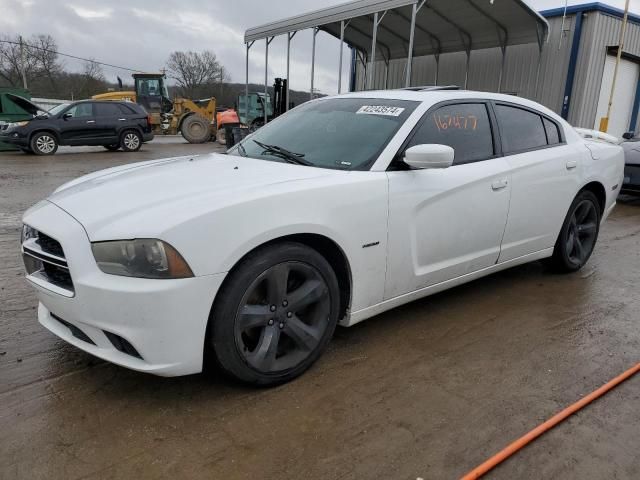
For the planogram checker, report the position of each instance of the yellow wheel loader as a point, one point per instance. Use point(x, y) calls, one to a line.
point(194, 119)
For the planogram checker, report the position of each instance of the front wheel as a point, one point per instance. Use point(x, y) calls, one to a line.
point(579, 234)
point(131, 141)
point(275, 314)
point(43, 143)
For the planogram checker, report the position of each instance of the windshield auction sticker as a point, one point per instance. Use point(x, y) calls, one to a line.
point(380, 110)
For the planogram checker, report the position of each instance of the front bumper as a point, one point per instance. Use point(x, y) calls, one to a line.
point(14, 137)
point(163, 320)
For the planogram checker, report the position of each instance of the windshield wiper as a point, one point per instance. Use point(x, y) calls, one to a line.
point(291, 157)
point(243, 152)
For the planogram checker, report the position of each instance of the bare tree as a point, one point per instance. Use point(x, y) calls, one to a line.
point(193, 70)
point(38, 56)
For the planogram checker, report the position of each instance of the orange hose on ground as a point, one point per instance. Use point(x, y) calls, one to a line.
point(549, 424)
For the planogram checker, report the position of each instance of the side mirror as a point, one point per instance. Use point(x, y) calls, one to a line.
point(627, 135)
point(67, 116)
point(429, 156)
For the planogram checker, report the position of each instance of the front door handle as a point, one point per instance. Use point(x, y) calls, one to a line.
point(499, 184)
point(91, 121)
point(122, 119)
point(571, 164)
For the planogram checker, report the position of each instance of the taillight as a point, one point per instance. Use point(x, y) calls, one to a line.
point(149, 120)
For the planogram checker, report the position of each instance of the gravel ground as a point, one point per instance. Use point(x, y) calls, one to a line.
point(428, 390)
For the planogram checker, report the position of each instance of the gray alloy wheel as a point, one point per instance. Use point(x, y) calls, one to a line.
point(282, 317)
point(131, 141)
point(43, 143)
point(274, 315)
point(579, 234)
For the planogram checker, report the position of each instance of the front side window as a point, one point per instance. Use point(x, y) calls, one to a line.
point(337, 133)
point(465, 127)
point(81, 110)
point(520, 129)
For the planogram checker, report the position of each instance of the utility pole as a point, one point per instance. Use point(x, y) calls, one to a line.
point(22, 62)
point(604, 122)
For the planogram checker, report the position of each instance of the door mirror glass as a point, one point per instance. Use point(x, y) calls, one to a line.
point(627, 135)
point(67, 115)
point(429, 156)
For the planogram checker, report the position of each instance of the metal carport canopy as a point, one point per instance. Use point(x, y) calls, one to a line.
point(390, 29)
point(441, 26)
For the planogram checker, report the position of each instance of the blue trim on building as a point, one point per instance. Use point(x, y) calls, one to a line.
point(571, 71)
point(634, 111)
point(590, 7)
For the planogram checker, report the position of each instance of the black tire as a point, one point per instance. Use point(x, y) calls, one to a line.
point(578, 235)
point(43, 143)
point(130, 141)
point(274, 341)
point(195, 129)
point(112, 148)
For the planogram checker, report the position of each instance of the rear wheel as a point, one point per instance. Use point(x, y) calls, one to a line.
point(131, 141)
point(112, 148)
point(579, 234)
point(195, 129)
point(43, 143)
point(275, 314)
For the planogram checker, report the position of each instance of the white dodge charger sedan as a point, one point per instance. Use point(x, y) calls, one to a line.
point(338, 210)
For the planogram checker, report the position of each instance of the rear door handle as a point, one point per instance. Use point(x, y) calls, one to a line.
point(571, 164)
point(499, 184)
point(91, 121)
point(122, 119)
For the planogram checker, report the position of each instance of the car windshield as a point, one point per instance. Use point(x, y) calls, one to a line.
point(58, 108)
point(337, 133)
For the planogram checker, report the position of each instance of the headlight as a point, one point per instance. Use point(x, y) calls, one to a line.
point(28, 233)
point(17, 124)
point(142, 258)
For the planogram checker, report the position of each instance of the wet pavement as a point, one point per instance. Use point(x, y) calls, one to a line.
point(428, 390)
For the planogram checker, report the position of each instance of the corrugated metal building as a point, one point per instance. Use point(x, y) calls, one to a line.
point(575, 75)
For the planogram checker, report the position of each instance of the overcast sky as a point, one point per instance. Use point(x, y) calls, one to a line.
point(141, 34)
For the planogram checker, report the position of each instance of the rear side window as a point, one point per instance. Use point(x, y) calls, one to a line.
point(127, 110)
point(520, 129)
point(465, 127)
point(553, 136)
point(107, 110)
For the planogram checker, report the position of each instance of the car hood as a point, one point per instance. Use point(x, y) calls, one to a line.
point(164, 190)
point(25, 104)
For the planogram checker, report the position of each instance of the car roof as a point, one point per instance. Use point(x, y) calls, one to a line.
point(433, 96)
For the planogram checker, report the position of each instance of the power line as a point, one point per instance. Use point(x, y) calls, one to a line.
point(68, 55)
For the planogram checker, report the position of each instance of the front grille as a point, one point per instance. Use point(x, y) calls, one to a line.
point(45, 261)
point(50, 245)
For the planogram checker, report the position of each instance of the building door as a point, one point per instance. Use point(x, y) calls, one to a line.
point(623, 96)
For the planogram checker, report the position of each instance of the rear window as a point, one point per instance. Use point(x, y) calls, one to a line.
point(520, 129)
point(105, 109)
point(553, 135)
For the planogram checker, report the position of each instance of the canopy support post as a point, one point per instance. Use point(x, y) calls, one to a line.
point(289, 37)
point(342, 27)
point(437, 55)
point(372, 70)
point(466, 69)
point(266, 78)
point(407, 80)
point(504, 57)
point(246, 84)
point(540, 46)
point(313, 59)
